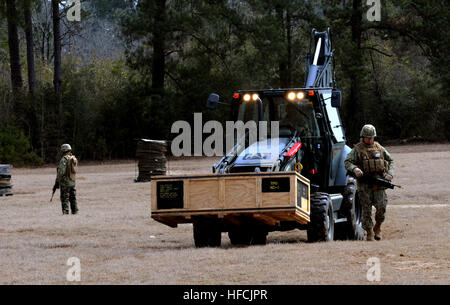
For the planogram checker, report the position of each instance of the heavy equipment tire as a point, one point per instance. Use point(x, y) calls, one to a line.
point(259, 237)
point(321, 227)
point(358, 233)
point(246, 236)
point(240, 237)
point(206, 236)
point(351, 209)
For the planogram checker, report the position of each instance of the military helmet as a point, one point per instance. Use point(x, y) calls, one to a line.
point(368, 131)
point(65, 148)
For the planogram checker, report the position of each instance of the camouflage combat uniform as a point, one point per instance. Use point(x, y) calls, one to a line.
point(67, 186)
point(370, 194)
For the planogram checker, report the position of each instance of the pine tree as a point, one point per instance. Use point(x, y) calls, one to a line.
point(14, 49)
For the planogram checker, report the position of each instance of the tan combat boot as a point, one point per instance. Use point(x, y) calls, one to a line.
point(369, 235)
point(377, 231)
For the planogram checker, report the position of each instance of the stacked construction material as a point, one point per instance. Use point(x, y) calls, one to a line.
point(152, 159)
point(5, 180)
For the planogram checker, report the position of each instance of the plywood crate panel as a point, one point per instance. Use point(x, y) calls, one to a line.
point(268, 197)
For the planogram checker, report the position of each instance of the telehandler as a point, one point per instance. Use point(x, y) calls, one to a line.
point(254, 190)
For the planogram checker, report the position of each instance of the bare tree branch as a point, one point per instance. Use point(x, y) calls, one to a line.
point(376, 50)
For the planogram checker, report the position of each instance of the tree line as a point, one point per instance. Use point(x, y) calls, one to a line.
point(130, 68)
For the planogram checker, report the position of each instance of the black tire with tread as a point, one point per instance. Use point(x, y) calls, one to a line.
point(319, 229)
point(246, 236)
point(206, 236)
point(351, 209)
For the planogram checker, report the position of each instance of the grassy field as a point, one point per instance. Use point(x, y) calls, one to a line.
point(118, 243)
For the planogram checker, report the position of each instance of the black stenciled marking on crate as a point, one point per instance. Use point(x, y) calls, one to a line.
point(276, 185)
point(169, 194)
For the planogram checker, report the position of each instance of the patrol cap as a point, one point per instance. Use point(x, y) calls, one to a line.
point(368, 131)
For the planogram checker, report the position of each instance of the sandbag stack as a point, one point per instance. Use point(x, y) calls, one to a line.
point(5, 180)
point(152, 158)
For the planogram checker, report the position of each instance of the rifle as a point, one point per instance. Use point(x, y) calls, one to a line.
point(55, 187)
point(378, 181)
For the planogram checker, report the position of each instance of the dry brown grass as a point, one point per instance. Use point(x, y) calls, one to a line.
point(118, 243)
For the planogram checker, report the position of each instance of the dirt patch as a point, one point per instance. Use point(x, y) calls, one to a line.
point(23, 192)
point(418, 148)
point(56, 246)
point(118, 243)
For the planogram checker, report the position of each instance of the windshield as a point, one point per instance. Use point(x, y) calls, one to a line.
point(295, 115)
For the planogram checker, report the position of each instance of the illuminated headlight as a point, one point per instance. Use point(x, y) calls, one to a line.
point(255, 97)
point(247, 97)
point(291, 96)
point(300, 95)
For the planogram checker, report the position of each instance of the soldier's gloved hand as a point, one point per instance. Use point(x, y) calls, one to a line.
point(388, 177)
point(358, 172)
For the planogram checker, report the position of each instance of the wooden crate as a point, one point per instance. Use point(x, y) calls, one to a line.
point(267, 197)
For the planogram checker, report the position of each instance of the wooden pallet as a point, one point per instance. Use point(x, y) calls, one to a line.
point(6, 192)
point(151, 157)
point(5, 180)
point(265, 197)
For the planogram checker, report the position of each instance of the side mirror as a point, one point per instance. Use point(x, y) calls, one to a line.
point(336, 98)
point(212, 101)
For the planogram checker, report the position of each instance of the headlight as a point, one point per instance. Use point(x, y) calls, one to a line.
point(291, 96)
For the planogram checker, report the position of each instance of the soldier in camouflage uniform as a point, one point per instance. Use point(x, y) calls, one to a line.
point(370, 158)
point(65, 180)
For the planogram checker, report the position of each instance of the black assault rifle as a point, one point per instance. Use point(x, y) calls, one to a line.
point(375, 181)
point(378, 181)
point(55, 187)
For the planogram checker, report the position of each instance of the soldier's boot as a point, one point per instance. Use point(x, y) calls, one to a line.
point(369, 235)
point(377, 231)
point(73, 208)
point(65, 209)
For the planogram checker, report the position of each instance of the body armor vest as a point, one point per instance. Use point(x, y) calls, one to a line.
point(371, 158)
